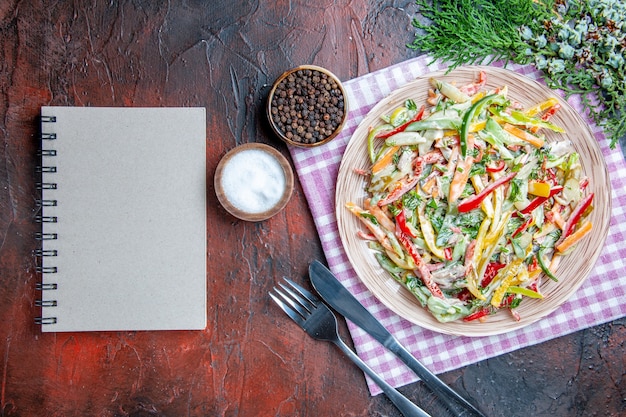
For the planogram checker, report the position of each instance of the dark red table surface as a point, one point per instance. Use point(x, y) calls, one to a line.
point(251, 360)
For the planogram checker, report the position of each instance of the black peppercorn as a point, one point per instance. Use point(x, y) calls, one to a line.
point(308, 104)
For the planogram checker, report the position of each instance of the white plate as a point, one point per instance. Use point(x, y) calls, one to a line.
point(573, 269)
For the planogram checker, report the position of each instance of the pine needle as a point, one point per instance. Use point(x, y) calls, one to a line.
point(474, 31)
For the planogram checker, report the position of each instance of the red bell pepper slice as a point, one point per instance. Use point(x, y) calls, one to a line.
point(584, 183)
point(421, 267)
point(464, 295)
point(490, 272)
point(497, 168)
point(537, 201)
point(401, 222)
point(533, 265)
point(507, 301)
point(474, 201)
point(478, 314)
point(418, 116)
point(575, 216)
point(401, 188)
point(522, 227)
point(550, 112)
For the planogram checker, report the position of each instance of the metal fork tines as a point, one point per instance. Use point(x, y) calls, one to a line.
point(320, 323)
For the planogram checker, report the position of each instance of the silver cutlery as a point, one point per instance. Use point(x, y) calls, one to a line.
point(319, 322)
point(339, 298)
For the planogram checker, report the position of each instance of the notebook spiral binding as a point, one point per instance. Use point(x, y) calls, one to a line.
point(40, 236)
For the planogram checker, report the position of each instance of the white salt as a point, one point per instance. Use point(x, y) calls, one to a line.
point(253, 181)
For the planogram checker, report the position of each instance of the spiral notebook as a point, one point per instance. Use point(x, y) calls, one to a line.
point(123, 219)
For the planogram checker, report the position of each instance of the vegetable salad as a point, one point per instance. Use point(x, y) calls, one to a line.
point(468, 206)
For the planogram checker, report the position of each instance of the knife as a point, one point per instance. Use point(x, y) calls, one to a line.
point(338, 297)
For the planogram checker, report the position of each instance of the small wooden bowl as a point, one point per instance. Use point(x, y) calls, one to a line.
point(224, 181)
point(282, 134)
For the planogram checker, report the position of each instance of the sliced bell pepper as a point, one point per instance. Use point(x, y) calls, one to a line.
point(474, 201)
point(544, 266)
point(385, 159)
point(418, 116)
point(537, 201)
point(574, 237)
point(539, 188)
point(460, 177)
point(508, 300)
point(430, 124)
point(533, 266)
point(520, 119)
point(514, 289)
point(511, 276)
point(547, 116)
point(471, 283)
point(490, 272)
point(540, 107)
point(371, 136)
point(402, 224)
point(584, 183)
point(421, 266)
point(399, 189)
point(469, 116)
point(483, 312)
point(534, 140)
point(580, 209)
point(497, 168)
point(428, 232)
point(551, 111)
point(372, 225)
point(523, 226)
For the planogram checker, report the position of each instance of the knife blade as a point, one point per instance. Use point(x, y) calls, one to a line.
point(339, 298)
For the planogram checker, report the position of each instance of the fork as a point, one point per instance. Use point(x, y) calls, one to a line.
point(320, 323)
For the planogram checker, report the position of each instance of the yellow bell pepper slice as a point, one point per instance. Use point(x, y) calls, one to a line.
point(511, 274)
point(428, 232)
point(540, 107)
point(472, 284)
point(539, 188)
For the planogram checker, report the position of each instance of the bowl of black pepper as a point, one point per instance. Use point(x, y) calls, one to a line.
point(307, 106)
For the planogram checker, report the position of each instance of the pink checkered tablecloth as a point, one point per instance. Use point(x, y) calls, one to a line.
point(599, 300)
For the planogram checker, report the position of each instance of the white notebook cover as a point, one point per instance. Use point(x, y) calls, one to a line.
point(130, 219)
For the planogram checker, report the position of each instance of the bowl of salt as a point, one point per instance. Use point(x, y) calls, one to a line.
point(253, 182)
